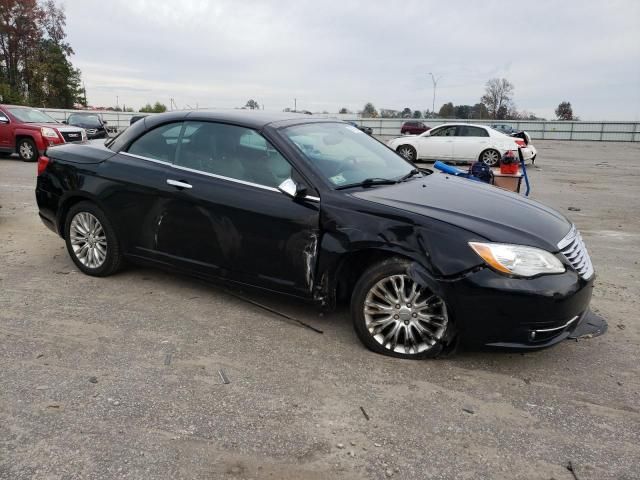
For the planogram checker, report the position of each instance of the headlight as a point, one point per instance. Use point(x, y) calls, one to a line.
point(517, 259)
point(49, 132)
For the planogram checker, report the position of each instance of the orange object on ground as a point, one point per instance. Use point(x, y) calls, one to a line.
point(509, 163)
point(509, 168)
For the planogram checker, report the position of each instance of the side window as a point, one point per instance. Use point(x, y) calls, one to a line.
point(233, 152)
point(444, 132)
point(473, 132)
point(159, 143)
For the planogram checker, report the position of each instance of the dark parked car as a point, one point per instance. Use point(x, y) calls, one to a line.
point(94, 125)
point(413, 128)
point(362, 128)
point(311, 208)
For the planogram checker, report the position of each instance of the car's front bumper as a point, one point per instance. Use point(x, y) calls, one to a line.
point(490, 309)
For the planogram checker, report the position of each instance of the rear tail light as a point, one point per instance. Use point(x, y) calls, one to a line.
point(520, 142)
point(43, 163)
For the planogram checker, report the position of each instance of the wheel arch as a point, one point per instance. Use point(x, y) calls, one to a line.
point(26, 136)
point(353, 264)
point(68, 202)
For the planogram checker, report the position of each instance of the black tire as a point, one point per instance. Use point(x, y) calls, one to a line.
point(113, 259)
point(490, 157)
point(408, 152)
point(373, 277)
point(27, 150)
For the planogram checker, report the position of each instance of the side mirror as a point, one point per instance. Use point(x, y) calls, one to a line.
point(105, 122)
point(427, 133)
point(4, 120)
point(292, 189)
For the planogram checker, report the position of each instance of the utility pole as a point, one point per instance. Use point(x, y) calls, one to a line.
point(295, 104)
point(435, 84)
point(117, 101)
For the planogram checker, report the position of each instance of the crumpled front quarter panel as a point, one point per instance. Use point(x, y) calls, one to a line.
point(350, 225)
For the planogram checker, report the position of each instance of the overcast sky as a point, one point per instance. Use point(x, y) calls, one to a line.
point(333, 54)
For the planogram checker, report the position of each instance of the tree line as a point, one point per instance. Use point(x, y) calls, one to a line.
point(34, 56)
point(495, 104)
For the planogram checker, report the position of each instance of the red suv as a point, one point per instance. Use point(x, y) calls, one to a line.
point(413, 128)
point(29, 132)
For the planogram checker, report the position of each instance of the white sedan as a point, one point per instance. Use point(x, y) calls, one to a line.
point(461, 142)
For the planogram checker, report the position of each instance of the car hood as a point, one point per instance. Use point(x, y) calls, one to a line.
point(43, 124)
point(488, 211)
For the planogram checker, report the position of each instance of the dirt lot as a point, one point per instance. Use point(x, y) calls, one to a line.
point(119, 377)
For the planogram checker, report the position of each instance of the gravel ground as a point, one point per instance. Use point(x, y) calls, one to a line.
point(119, 377)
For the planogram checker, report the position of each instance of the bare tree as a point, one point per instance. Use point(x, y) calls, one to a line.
point(498, 97)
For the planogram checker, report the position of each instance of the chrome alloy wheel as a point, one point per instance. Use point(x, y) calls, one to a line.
point(407, 152)
point(491, 158)
point(26, 150)
point(88, 240)
point(404, 317)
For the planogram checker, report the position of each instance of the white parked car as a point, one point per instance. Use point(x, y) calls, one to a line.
point(461, 142)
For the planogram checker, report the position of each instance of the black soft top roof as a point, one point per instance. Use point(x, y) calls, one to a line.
point(255, 119)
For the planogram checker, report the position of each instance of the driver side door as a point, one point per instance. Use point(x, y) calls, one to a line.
point(438, 145)
point(225, 216)
point(6, 137)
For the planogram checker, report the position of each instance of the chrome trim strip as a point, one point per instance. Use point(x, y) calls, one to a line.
point(220, 177)
point(161, 162)
point(568, 238)
point(213, 175)
point(176, 183)
point(542, 330)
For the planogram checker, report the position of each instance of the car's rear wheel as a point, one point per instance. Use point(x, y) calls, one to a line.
point(395, 316)
point(27, 150)
point(91, 240)
point(407, 151)
point(490, 157)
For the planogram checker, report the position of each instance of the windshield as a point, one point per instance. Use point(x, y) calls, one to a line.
point(91, 120)
point(344, 155)
point(31, 115)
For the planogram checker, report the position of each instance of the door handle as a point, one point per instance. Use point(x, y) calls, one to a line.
point(178, 184)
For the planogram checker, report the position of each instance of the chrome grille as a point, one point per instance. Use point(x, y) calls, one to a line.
point(575, 251)
point(75, 136)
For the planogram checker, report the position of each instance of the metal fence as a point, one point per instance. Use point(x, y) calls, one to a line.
point(389, 127)
point(116, 121)
point(553, 130)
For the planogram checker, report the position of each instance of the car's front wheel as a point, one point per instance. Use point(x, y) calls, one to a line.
point(395, 316)
point(91, 240)
point(408, 152)
point(27, 150)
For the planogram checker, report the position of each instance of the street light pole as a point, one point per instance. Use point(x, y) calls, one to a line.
point(435, 84)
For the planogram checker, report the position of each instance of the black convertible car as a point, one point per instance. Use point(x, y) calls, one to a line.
point(317, 209)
